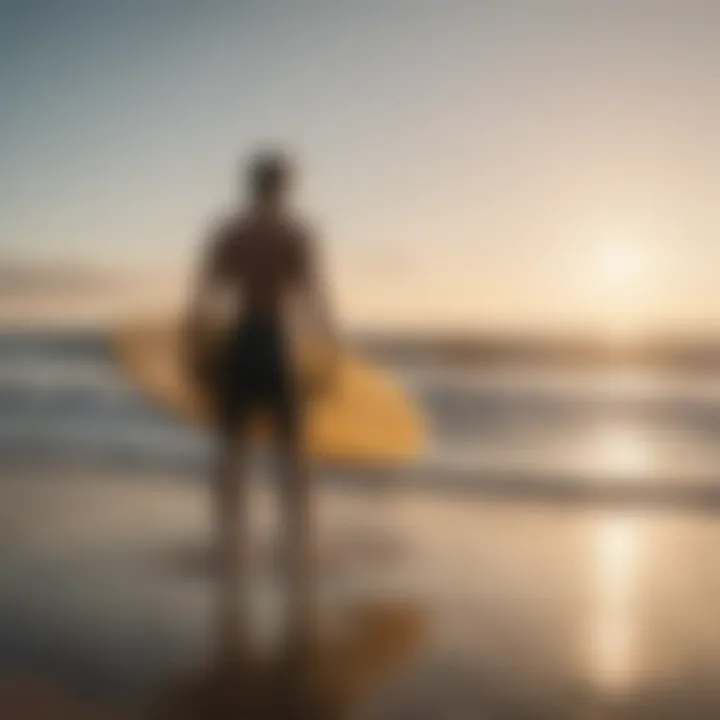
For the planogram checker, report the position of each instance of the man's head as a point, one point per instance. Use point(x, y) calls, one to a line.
point(269, 177)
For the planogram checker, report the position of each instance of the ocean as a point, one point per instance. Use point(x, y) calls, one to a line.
point(64, 402)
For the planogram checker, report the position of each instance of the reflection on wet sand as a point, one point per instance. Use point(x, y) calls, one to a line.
point(617, 562)
point(327, 678)
point(618, 553)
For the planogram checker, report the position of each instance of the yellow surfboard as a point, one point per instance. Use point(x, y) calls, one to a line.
point(360, 416)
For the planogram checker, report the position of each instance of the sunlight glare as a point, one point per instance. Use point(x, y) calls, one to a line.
point(618, 279)
point(617, 562)
point(620, 264)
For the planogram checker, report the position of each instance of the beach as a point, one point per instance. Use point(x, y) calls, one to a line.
point(538, 579)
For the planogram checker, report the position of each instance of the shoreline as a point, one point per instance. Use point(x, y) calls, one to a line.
point(501, 485)
point(698, 354)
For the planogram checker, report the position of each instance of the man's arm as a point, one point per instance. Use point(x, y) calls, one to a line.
point(209, 279)
point(316, 307)
point(315, 293)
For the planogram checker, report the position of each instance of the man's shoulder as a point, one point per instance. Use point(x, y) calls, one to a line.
point(227, 230)
point(218, 225)
point(300, 228)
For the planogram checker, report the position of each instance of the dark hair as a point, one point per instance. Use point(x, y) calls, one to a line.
point(269, 173)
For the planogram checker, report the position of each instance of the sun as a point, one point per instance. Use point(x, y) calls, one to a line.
point(620, 265)
point(618, 280)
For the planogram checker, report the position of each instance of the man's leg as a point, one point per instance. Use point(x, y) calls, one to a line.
point(298, 531)
point(230, 527)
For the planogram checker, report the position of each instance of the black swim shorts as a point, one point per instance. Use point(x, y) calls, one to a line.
point(255, 373)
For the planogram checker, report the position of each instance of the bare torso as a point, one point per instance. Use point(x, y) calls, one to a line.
point(262, 257)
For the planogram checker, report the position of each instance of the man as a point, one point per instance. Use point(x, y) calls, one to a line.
point(263, 261)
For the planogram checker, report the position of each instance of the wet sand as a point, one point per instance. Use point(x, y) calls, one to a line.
point(531, 609)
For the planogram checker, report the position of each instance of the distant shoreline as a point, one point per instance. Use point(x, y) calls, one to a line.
point(698, 355)
point(662, 353)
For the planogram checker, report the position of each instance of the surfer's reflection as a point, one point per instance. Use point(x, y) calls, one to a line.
point(321, 678)
point(311, 675)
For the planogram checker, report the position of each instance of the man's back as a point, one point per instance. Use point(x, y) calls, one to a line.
point(264, 257)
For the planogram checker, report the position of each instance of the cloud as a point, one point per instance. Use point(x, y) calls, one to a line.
point(71, 294)
point(25, 280)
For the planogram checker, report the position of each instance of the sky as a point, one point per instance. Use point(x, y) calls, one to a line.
point(476, 163)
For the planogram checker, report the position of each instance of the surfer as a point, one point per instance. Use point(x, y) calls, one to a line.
point(261, 264)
